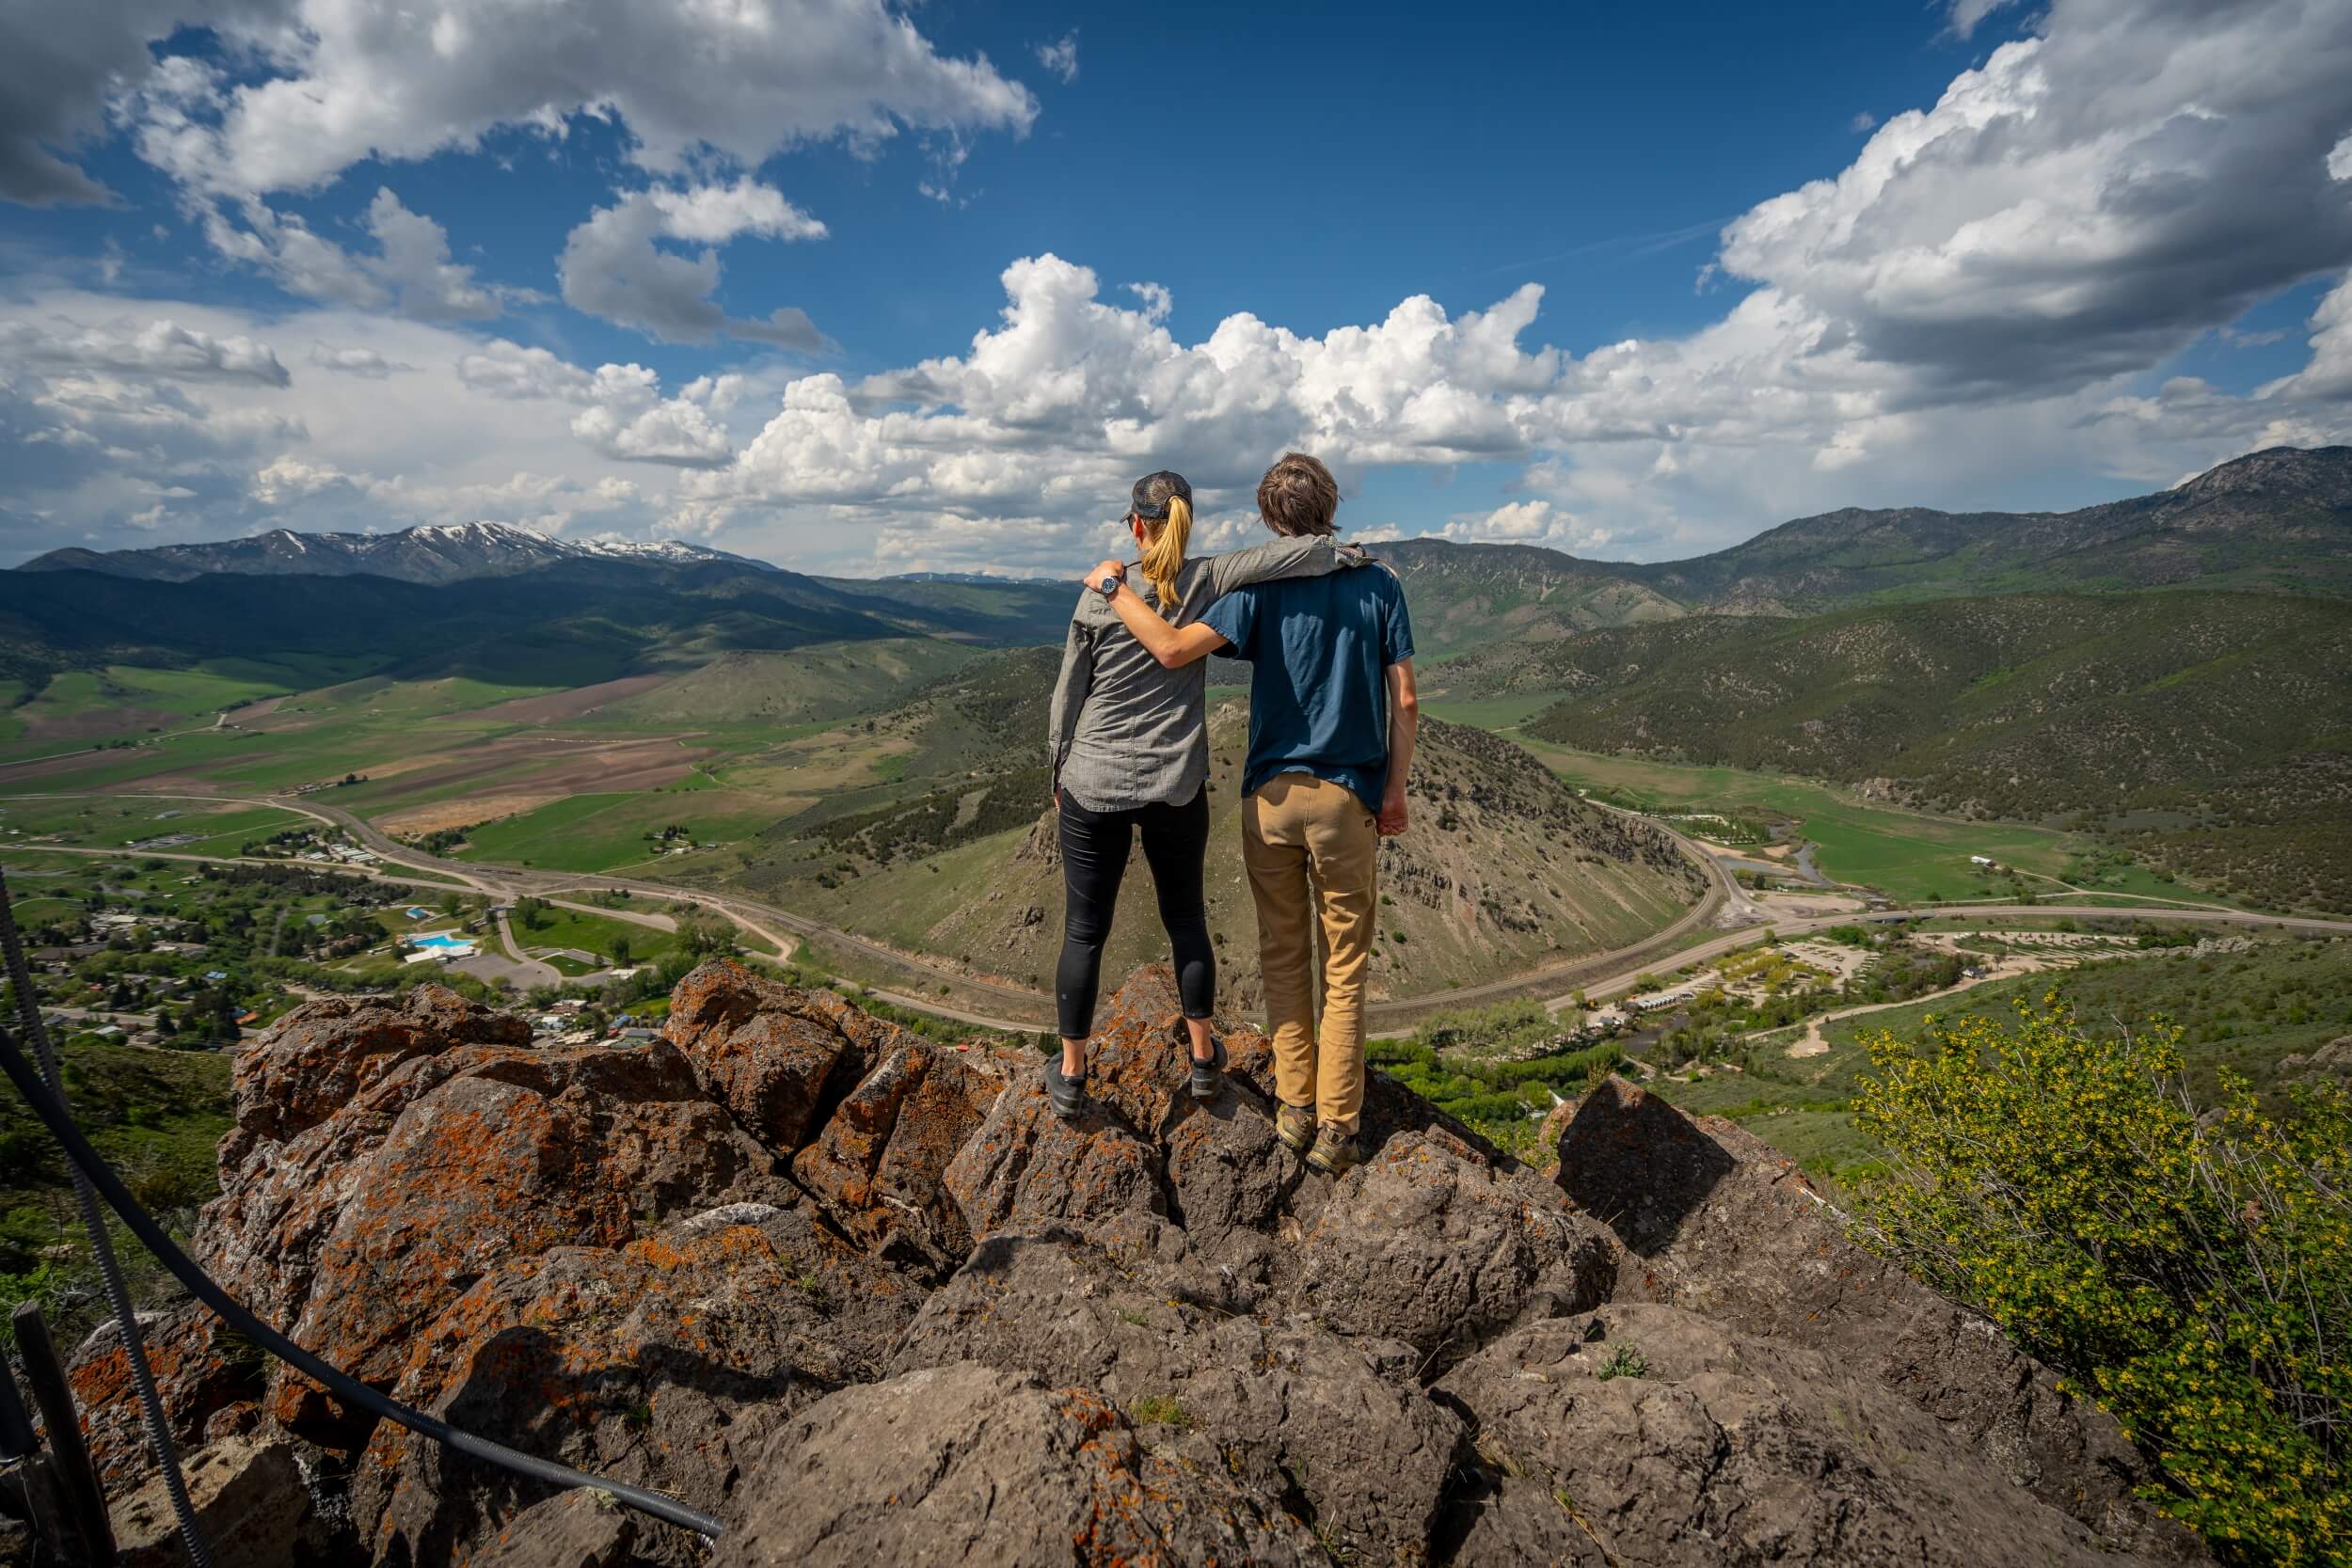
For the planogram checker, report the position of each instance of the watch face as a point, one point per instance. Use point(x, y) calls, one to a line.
point(1108, 587)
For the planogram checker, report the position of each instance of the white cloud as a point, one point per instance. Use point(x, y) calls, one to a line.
point(161, 347)
point(2339, 159)
point(1527, 522)
point(1968, 15)
point(352, 79)
point(1061, 58)
point(1862, 120)
point(641, 428)
point(613, 266)
point(355, 361)
point(410, 272)
point(2086, 203)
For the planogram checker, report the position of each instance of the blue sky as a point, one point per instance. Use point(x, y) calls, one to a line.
point(1788, 258)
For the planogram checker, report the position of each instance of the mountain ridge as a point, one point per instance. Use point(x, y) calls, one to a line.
point(428, 553)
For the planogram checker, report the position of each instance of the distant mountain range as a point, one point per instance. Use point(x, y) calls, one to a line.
point(2276, 521)
point(431, 553)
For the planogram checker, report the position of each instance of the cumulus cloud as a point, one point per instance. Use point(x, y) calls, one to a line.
point(2085, 204)
point(1061, 58)
point(1968, 15)
point(349, 80)
point(613, 265)
point(1527, 522)
point(59, 65)
point(410, 272)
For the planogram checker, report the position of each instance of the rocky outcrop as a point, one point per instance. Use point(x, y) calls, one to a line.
point(863, 1298)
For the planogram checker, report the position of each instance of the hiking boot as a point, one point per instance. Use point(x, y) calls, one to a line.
point(1335, 1152)
point(1208, 1078)
point(1068, 1096)
point(1295, 1126)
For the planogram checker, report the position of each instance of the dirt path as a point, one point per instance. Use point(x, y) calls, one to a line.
point(1814, 1044)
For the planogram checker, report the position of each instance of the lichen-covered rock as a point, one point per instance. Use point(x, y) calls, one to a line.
point(878, 1165)
point(201, 1370)
point(1715, 1221)
point(1024, 1166)
point(1651, 1438)
point(358, 1231)
point(663, 1363)
point(778, 1057)
point(965, 1465)
point(325, 1054)
point(1427, 1243)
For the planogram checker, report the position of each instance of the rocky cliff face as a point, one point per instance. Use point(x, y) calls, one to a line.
point(864, 1298)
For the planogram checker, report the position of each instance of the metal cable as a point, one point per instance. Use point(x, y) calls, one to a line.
point(101, 1247)
point(87, 1161)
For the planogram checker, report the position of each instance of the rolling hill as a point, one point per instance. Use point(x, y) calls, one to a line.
point(1507, 869)
point(2211, 731)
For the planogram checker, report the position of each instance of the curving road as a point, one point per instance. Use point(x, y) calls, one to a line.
point(1599, 974)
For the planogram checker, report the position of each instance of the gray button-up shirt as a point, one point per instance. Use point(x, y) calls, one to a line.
point(1127, 731)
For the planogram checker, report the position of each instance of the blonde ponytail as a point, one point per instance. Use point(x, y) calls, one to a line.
point(1166, 556)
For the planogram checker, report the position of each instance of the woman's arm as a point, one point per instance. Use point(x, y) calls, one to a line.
point(1070, 696)
point(1173, 646)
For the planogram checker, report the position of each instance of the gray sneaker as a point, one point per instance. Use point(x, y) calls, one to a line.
point(1208, 1078)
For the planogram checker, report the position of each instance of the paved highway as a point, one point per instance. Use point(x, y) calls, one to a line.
point(1018, 1007)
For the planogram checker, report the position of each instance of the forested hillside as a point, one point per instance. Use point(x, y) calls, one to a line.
point(2210, 730)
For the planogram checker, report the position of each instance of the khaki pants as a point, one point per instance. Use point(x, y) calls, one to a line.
point(1314, 856)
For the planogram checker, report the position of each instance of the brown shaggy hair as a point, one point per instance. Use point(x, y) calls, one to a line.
point(1298, 495)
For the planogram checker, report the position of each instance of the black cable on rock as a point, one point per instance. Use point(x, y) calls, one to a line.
point(88, 1163)
point(101, 1247)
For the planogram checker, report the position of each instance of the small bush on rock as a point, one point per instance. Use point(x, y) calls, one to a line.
point(2189, 1269)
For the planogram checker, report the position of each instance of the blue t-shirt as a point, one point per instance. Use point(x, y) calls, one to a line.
point(1319, 650)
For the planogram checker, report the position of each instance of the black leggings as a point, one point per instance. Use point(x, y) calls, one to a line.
point(1095, 846)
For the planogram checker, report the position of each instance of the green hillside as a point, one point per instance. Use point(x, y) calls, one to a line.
point(2210, 731)
point(1506, 869)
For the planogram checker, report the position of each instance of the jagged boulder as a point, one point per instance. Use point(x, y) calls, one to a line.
point(1654, 1437)
point(969, 1465)
point(878, 1164)
point(1024, 1166)
point(506, 1154)
point(664, 1362)
point(1717, 1222)
point(778, 1057)
point(1428, 1243)
point(203, 1372)
point(326, 1052)
point(1335, 1428)
point(250, 1501)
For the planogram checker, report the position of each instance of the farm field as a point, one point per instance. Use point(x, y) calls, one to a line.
point(116, 821)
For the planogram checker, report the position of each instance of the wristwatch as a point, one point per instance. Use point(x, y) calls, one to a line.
point(1108, 587)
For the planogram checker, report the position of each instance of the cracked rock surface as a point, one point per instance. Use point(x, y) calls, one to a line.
point(864, 1299)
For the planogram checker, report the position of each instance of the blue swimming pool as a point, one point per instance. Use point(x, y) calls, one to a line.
point(440, 940)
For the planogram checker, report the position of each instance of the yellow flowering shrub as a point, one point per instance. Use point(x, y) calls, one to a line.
point(2188, 1268)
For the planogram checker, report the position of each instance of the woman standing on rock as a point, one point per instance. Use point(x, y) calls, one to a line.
point(1130, 753)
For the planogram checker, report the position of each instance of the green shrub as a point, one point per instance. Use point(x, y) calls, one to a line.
point(2191, 1271)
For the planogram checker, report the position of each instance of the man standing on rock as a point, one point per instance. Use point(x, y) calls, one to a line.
point(1333, 719)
